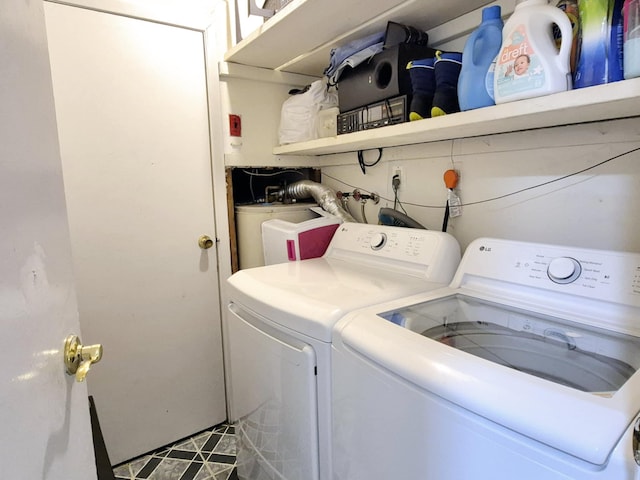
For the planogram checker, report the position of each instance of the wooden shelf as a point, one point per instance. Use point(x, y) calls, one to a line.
point(299, 38)
point(602, 102)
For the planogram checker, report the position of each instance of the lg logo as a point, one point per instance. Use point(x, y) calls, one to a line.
point(485, 249)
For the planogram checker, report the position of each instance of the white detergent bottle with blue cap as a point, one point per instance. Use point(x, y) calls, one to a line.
point(529, 64)
point(475, 85)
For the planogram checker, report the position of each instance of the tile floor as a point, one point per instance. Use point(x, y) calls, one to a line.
point(208, 455)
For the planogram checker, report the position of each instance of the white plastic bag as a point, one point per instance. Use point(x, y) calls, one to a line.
point(299, 115)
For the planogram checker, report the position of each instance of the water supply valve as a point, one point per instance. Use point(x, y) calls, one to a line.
point(358, 196)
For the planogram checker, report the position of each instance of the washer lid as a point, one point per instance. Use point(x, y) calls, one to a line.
point(310, 296)
point(585, 358)
point(558, 408)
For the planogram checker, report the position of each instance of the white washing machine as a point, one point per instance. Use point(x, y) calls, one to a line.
point(280, 319)
point(525, 367)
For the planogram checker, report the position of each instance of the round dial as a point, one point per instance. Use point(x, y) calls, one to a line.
point(378, 240)
point(564, 269)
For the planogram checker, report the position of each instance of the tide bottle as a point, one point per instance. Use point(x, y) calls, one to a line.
point(475, 85)
point(529, 64)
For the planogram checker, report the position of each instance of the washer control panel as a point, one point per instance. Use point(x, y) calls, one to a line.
point(593, 273)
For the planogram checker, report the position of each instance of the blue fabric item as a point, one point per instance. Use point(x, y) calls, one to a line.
point(355, 60)
point(447, 73)
point(423, 86)
point(339, 54)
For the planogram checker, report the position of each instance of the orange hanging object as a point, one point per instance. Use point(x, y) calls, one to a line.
point(451, 179)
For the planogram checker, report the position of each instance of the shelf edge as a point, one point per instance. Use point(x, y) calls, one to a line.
point(598, 103)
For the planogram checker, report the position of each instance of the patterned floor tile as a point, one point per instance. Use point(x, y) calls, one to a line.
point(208, 455)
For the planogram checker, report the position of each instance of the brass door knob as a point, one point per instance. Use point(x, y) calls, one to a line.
point(78, 358)
point(205, 242)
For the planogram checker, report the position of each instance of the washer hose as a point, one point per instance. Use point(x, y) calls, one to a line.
point(323, 195)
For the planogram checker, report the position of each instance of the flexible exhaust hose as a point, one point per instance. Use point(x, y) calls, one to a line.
point(323, 195)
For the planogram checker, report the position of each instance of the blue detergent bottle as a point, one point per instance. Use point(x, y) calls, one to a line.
point(475, 85)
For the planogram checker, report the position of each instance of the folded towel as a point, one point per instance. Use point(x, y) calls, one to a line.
point(353, 53)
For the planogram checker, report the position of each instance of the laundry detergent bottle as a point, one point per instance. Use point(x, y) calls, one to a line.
point(475, 85)
point(529, 64)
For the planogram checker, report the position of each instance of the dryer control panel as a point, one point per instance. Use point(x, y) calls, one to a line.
point(425, 253)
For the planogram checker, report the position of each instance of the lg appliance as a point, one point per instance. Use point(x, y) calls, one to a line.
point(525, 367)
point(279, 321)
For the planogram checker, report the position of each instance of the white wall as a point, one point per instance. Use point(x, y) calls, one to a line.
point(258, 105)
point(597, 208)
point(257, 95)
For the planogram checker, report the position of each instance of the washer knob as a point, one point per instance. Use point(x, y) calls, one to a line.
point(377, 241)
point(564, 270)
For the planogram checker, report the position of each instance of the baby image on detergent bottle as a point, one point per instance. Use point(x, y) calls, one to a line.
point(520, 66)
point(517, 66)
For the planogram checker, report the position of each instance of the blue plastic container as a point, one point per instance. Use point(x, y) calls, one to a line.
point(475, 84)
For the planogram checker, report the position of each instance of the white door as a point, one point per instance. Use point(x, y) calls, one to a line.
point(44, 414)
point(131, 103)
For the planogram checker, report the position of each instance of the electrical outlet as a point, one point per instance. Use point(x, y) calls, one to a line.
point(397, 174)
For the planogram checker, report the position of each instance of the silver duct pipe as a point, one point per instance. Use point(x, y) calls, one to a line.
point(323, 195)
